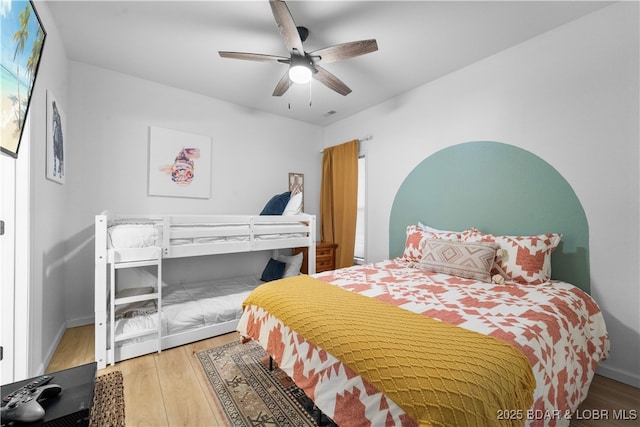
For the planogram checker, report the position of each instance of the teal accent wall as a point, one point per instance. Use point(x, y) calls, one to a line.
point(500, 189)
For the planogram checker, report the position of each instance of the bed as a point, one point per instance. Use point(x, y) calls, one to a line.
point(492, 331)
point(133, 247)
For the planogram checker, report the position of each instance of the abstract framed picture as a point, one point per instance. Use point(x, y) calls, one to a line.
point(56, 140)
point(22, 36)
point(179, 164)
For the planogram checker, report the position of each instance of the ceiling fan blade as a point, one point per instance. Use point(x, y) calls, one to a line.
point(283, 85)
point(348, 50)
point(331, 81)
point(286, 26)
point(254, 57)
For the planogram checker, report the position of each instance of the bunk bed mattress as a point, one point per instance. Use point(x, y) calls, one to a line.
point(194, 305)
point(558, 328)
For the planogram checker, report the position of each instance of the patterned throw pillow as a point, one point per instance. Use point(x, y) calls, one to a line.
point(524, 259)
point(416, 234)
point(471, 260)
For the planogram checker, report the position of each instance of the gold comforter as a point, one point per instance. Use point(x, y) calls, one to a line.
point(439, 374)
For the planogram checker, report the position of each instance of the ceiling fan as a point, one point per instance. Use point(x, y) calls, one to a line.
point(305, 65)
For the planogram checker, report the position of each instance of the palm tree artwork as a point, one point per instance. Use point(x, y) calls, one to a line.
point(22, 42)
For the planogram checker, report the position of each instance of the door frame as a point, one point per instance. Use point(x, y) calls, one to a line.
point(15, 263)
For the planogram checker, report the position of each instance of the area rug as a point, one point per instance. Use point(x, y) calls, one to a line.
point(248, 393)
point(107, 409)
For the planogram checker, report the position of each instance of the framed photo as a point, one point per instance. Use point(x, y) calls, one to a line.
point(56, 140)
point(179, 164)
point(296, 185)
point(23, 39)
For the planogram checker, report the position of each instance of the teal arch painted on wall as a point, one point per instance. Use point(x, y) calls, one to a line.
point(499, 189)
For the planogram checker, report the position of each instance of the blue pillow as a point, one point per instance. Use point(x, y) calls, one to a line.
point(276, 205)
point(273, 271)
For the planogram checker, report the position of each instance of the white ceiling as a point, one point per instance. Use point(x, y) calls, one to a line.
point(176, 43)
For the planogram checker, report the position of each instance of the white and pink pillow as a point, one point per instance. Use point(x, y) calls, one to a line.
point(523, 259)
point(520, 259)
point(417, 235)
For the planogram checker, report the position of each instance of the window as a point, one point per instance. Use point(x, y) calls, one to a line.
point(359, 250)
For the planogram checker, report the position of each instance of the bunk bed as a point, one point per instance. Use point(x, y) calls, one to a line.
point(153, 315)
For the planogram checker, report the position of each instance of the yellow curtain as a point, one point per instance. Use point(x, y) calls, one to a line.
point(339, 199)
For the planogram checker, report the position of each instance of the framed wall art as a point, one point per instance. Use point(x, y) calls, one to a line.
point(296, 185)
point(179, 164)
point(56, 140)
point(23, 39)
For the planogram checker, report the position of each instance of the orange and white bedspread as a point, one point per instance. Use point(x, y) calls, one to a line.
point(558, 327)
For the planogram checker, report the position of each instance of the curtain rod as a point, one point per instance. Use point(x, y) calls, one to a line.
point(366, 138)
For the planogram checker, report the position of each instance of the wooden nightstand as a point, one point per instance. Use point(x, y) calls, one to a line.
point(325, 257)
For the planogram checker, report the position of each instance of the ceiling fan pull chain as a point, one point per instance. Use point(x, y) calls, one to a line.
point(309, 93)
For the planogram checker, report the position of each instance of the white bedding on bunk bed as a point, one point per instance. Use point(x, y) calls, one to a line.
point(189, 306)
point(134, 234)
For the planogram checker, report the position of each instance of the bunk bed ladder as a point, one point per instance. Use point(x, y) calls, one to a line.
point(119, 260)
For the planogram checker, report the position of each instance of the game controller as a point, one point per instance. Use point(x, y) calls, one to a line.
point(22, 405)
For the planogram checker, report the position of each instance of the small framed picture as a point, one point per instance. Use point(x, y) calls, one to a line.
point(56, 140)
point(296, 185)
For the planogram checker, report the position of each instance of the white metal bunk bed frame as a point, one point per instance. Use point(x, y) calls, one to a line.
point(302, 229)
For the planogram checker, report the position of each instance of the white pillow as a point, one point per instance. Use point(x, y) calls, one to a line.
point(293, 262)
point(294, 206)
point(433, 230)
point(135, 278)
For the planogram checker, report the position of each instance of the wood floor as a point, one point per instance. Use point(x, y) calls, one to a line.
point(166, 390)
point(159, 389)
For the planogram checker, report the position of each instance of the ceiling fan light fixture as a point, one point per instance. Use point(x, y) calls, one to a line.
point(305, 65)
point(300, 74)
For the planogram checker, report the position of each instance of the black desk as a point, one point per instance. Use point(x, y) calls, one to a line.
point(72, 407)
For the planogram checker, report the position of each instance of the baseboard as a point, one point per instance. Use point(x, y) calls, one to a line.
point(80, 321)
point(51, 351)
point(619, 375)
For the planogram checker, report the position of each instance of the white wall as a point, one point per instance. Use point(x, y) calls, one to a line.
point(108, 117)
point(49, 205)
point(253, 153)
point(569, 96)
